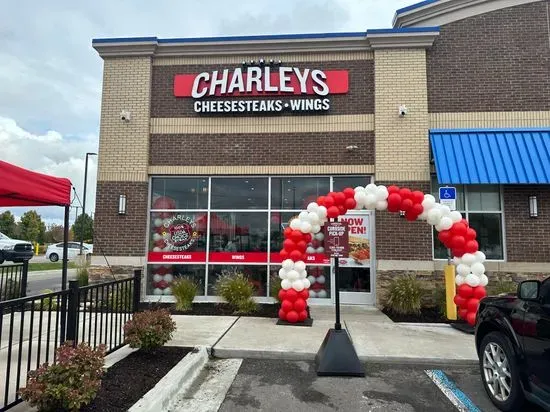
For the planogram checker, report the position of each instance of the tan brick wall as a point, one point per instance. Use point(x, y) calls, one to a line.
point(124, 146)
point(402, 147)
point(473, 120)
point(262, 170)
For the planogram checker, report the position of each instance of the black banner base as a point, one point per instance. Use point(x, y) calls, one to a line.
point(307, 322)
point(337, 356)
point(464, 327)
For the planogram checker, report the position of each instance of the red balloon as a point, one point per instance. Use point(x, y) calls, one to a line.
point(282, 314)
point(393, 189)
point(471, 318)
point(480, 292)
point(471, 246)
point(292, 316)
point(472, 305)
point(417, 209)
point(317, 287)
point(471, 234)
point(341, 210)
point(465, 291)
point(162, 284)
point(460, 301)
point(394, 202)
point(329, 202)
point(161, 243)
point(282, 295)
point(300, 305)
point(163, 270)
point(459, 229)
point(307, 237)
point(458, 252)
point(295, 255)
point(462, 313)
point(304, 257)
point(287, 305)
point(445, 237)
point(321, 200)
point(302, 246)
point(302, 316)
point(458, 242)
point(349, 193)
point(339, 198)
point(333, 212)
point(405, 193)
point(296, 236)
point(291, 295)
point(289, 245)
point(417, 197)
point(315, 243)
point(287, 232)
point(332, 194)
point(410, 216)
point(465, 222)
point(164, 203)
point(284, 254)
point(304, 294)
point(406, 204)
point(350, 203)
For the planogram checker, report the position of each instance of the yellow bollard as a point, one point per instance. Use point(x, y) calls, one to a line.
point(36, 248)
point(450, 290)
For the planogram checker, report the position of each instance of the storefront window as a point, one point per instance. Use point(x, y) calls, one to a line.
point(178, 231)
point(484, 198)
point(295, 193)
point(257, 275)
point(489, 233)
point(161, 277)
point(179, 193)
point(319, 277)
point(238, 231)
point(239, 193)
point(339, 183)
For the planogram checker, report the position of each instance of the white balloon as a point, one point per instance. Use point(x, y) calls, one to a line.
point(381, 205)
point(303, 215)
point(359, 189)
point(434, 216)
point(295, 224)
point(157, 278)
point(382, 193)
point(157, 249)
point(358, 206)
point(444, 224)
point(480, 256)
point(315, 228)
point(423, 215)
point(322, 212)
point(361, 198)
point(307, 283)
point(445, 210)
point(320, 236)
point(292, 275)
point(158, 222)
point(428, 203)
point(483, 280)
point(478, 269)
point(460, 280)
point(303, 274)
point(311, 279)
point(321, 280)
point(299, 265)
point(371, 188)
point(310, 250)
point(313, 218)
point(473, 280)
point(288, 264)
point(167, 291)
point(156, 237)
point(312, 294)
point(312, 207)
point(166, 222)
point(157, 291)
point(463, 270)
point(457, 260)
point(283, 273)
point(468, 259)
point(322, 294)
point(286, 284)
point(168, 278)
point(298, 285)
point(305, 227)
point(320, 249)
point(370, 201)
point(455, 216)
point(166, 235)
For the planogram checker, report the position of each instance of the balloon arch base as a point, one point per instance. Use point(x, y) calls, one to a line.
point(307, 322)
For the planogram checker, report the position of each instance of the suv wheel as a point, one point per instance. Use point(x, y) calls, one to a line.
point(499, 372)
point(1, 258)
point(54, 257)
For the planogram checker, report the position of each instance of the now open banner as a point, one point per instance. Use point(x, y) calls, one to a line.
point(359, 241)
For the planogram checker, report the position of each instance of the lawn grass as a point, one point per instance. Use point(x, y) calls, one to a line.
point(49, 266)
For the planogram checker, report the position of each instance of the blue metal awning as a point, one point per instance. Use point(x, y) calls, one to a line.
point(505, 156)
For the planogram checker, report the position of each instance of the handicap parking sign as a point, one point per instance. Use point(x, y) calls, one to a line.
point(447, 196)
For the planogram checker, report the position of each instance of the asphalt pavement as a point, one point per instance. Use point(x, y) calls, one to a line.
point(38, 281)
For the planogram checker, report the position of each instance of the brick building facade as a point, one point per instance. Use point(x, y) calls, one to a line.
point(457, 66)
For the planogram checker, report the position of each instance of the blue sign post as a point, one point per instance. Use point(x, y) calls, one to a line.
point(447, 196)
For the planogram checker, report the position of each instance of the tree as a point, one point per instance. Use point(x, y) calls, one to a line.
point(7, 224)
point(54, 234)
point(31, 227)
point(83, 228)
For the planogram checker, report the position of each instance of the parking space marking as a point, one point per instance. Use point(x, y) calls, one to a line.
point(458, 398)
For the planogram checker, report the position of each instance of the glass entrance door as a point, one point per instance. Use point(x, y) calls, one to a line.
point(356, 272)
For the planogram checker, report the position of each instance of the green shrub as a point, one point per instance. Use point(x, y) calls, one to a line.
point(274, 286)
point(149, 330)
point(82, 273)
point(440, 299)
point(405, 295)
point(69, 384)
point(237, 290)
point(184, 290)
point(47, 303)
point(502, 286)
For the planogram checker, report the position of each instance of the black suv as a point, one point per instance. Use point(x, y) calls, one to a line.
point(513, 346)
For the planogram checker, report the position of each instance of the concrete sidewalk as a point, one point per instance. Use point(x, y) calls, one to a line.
point(374, 335)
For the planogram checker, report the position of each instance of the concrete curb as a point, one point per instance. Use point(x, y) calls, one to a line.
point(424, 325)
point(179, 379)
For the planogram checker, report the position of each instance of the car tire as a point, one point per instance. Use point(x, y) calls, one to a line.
point(1, 258)
point(54, 257)
point(499, 343)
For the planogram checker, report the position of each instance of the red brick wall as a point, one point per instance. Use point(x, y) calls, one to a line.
point(359, 99)
point(527, 239)
point(399, 239)
point(264, 149)
point(499, 61)
point(120, 235)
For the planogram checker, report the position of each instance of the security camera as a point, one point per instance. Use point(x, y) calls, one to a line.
point(351, 147)
point(403, 111)
point(125, 116)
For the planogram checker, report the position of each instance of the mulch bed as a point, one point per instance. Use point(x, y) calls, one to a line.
point(427, 315)
point(265, 310)
point(128, 380)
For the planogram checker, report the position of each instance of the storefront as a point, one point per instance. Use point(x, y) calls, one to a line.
point(208, 147)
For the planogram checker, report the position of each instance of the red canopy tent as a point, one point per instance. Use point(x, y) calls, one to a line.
point(22, 187)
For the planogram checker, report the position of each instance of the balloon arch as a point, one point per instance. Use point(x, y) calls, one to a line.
point(453, 231)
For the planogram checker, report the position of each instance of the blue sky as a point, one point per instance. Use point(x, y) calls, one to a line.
point(50, 96)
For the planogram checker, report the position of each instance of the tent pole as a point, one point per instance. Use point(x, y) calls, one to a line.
point(65, 249)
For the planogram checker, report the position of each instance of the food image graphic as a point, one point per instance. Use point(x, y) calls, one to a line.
point(359, 250)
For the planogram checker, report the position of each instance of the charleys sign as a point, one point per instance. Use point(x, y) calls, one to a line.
point(237, 84)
